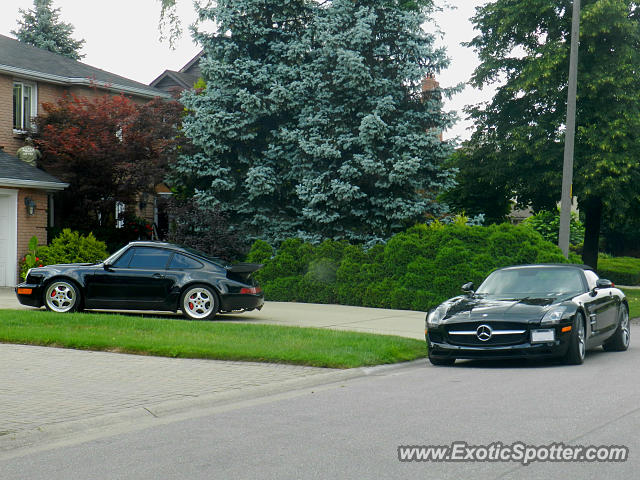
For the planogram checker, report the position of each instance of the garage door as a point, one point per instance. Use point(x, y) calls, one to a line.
point(8, 233)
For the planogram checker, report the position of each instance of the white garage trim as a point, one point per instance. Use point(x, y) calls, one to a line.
point(8, 237)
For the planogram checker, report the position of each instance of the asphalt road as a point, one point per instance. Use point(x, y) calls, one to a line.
point(352, 428)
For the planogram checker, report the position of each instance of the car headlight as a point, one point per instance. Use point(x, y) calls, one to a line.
point(553, 316)
point(435, 316)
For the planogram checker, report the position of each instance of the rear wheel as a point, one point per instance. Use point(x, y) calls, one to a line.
point(62, 296)
point(619, 342)
point(578, 343)
point(199, 302)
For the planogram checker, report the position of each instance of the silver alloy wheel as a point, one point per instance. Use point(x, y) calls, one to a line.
point(624, 326)
point(581, 338)
point(198, 303)
point(61, 297)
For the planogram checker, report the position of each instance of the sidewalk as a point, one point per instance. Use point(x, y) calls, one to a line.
point(53, 395)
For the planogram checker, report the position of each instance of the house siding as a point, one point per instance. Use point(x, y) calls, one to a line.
point(30, 225)
point(8, 139)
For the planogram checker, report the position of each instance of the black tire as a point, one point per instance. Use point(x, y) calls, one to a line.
point(62, 296)
point(441, 362)
point(619, 341)
point(577, 343)
point(199, 302)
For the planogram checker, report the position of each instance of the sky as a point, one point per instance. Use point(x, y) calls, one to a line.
point(122, 37)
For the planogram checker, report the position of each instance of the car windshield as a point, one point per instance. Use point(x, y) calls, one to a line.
point(532, 282)
point(114, 256)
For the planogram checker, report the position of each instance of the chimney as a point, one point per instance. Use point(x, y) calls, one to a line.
point(429, 83)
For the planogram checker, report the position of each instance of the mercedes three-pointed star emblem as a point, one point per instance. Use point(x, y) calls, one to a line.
point(484, 333)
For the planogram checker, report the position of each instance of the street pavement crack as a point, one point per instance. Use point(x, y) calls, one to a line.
point(150, 412)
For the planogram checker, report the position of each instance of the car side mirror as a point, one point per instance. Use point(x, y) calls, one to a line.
point(468, 288)
point(107, 266)
point(600, 284)
point(603, 283)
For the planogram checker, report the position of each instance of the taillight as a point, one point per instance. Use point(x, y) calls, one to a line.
point(251, 291)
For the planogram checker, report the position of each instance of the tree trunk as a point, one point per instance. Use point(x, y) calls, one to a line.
point(593, 214)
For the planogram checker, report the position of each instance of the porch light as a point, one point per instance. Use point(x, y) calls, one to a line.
point(31, 205)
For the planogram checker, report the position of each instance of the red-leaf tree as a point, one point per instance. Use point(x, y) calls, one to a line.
point(109, 149)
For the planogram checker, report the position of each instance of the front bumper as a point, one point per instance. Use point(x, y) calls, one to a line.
point(440, 346)
point(29, 294)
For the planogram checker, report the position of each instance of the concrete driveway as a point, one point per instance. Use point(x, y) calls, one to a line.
point(404, 323)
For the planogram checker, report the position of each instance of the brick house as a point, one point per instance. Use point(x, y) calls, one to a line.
point(31, 76)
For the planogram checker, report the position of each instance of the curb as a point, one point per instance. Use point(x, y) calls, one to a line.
point(51, 436)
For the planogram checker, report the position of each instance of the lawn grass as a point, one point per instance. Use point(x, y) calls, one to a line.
point(633, 297)
point(220, 340)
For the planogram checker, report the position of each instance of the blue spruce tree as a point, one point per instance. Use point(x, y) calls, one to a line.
point(313, 122)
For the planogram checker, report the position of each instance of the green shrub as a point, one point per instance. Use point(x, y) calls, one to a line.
point(547, 224)
point(72, 247)
point(32, 258)
point(261, 252)
point(415, 270)
point(620, 270)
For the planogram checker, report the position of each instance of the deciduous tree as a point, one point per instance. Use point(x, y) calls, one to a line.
point(109, 149)
point(524, 46)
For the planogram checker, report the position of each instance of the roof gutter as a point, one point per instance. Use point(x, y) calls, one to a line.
point(37, 184)
point(79, 81)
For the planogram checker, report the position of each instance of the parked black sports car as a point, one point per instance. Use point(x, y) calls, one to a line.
point(530, 311)
point(146, 276)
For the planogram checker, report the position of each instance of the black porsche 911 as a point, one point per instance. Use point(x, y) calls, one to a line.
point(146, 276)
point(530, 311)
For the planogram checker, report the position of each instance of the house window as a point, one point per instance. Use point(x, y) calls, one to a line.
point(24, 105)
point(120, 208)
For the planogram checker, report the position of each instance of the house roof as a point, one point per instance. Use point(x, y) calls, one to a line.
point(16, 173)
point(170, 78)
point(183, 79)
point(20, 59)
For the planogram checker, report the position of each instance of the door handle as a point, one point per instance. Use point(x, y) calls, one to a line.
point(158, 275)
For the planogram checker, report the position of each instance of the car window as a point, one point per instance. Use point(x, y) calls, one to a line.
point(533, 281)
point(150, 258)
point(180, 262)
point(592, 278)
point(123, 261)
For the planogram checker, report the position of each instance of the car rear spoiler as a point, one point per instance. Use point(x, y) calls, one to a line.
point(244, 267)
point(242, 271)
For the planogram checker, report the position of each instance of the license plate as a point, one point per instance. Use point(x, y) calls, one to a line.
point(539, 336)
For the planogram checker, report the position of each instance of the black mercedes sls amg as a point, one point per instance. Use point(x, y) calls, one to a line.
point(530, 311)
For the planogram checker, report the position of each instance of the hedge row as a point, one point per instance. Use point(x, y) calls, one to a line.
point(620, 270)
point(415, 270)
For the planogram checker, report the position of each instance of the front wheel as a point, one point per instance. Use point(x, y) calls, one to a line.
point(619, 341)
point(199, 302)
point(62, 296)
point(577, 343)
